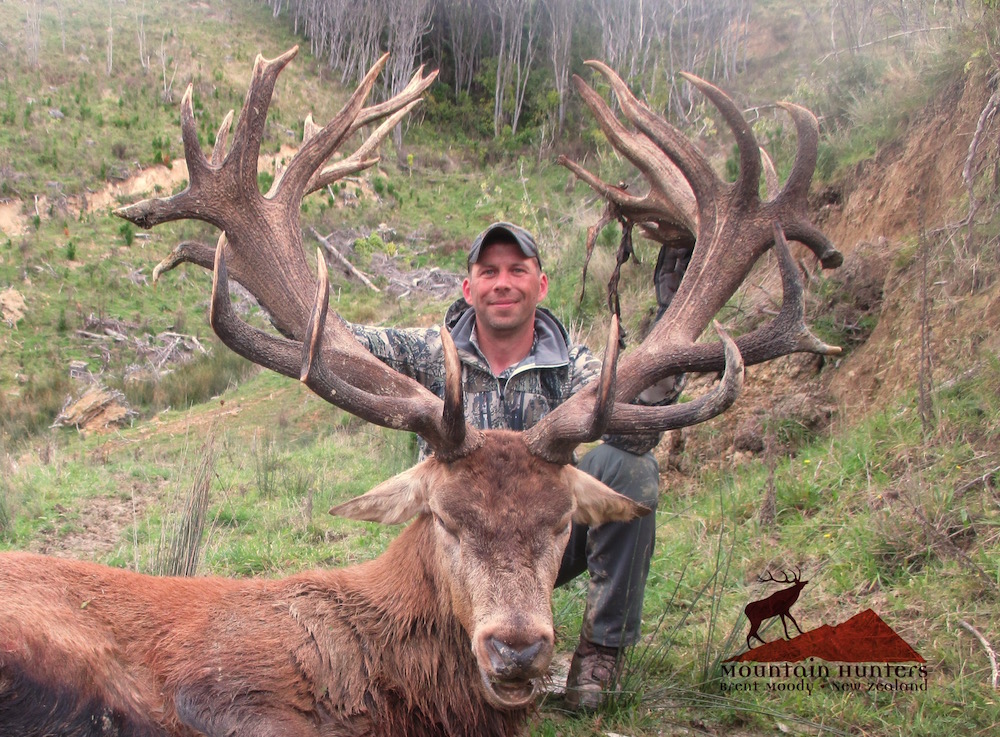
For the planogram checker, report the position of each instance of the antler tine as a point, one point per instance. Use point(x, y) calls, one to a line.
point(793, 196)
point(771, 183)
point(558, 434)
point(319, 147)
point(185, 252)
point(245, 150)
point(398, 404)
point(807, 152)
point(748, 182)
point(454, 428)
point(786, 333)
point(279, 354)
point(633, 418)
point(678, 149)
point(207, 185)
point(363, 157)
point(184, 204)
point(222, 139)
point(669, 194)
point(413, 90)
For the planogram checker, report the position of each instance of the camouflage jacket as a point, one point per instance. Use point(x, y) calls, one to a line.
point(517, 398)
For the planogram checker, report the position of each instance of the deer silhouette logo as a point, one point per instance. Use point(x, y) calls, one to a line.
point(775, 605)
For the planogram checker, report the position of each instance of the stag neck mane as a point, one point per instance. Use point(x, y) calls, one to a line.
point(411, 689)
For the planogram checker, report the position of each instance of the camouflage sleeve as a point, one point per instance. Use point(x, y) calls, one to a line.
point(415, 352)
point(584, 368)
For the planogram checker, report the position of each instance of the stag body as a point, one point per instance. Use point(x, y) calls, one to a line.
point(777, 604)
point(441, 635)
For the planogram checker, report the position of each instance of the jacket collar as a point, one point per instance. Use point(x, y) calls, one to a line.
point(550, 348)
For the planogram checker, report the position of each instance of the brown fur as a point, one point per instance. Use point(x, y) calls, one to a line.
point(382, 648)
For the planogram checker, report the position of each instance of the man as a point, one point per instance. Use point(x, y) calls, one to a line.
point(517, 364)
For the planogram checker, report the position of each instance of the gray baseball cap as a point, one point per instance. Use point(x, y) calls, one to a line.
point(506, 233)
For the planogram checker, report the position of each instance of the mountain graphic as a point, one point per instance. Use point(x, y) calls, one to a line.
point(864, 638)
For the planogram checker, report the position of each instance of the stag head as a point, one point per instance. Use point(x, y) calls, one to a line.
point(471, 495)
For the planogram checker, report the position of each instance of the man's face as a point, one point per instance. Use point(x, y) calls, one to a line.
point(504, 286)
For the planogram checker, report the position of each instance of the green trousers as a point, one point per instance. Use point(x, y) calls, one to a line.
point(616, 554)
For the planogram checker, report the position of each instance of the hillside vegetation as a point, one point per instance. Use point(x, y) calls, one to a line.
point(130, 436)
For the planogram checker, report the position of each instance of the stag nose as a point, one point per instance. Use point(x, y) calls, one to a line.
point(511, 660)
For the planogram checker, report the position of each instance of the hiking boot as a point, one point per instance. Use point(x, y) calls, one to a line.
point(593, 673)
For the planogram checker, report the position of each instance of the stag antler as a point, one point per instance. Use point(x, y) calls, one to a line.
point(261, 247)
point(796, 577)
point(728, 227)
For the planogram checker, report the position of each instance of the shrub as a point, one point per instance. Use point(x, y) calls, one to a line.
point(127, 232)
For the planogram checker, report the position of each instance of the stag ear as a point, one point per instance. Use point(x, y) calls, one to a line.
point(597, 503)
point(394, 501)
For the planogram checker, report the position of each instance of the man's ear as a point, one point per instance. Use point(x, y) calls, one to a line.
point(543, 288)
point(597, 503)
point(394, 501)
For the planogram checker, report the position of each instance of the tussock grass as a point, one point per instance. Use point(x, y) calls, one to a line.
point(180, 546)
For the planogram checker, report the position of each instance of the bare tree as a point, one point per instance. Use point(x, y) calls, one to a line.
point(562, 19)
point(516, 37)
point(165, 59)
point(853, 18)
point(707, 35)
point(463, 23)
point(627, 31)
point(111, 37)
point(33, 32)
point(140, 22)
point(863, 23)
point(362, 28)
point(62, 24)
point(408, 23)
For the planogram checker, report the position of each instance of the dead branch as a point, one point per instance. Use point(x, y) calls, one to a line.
point(990, 652)
point(110, 335)
point(968, 176)
point(978, 481)
point(339, 257)
point(886, 39)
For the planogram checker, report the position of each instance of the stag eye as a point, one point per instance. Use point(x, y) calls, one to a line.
point(439, 521)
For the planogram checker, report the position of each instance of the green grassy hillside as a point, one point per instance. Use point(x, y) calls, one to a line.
point(881, 468)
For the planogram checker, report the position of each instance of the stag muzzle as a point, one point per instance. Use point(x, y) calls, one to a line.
point(512, 659)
